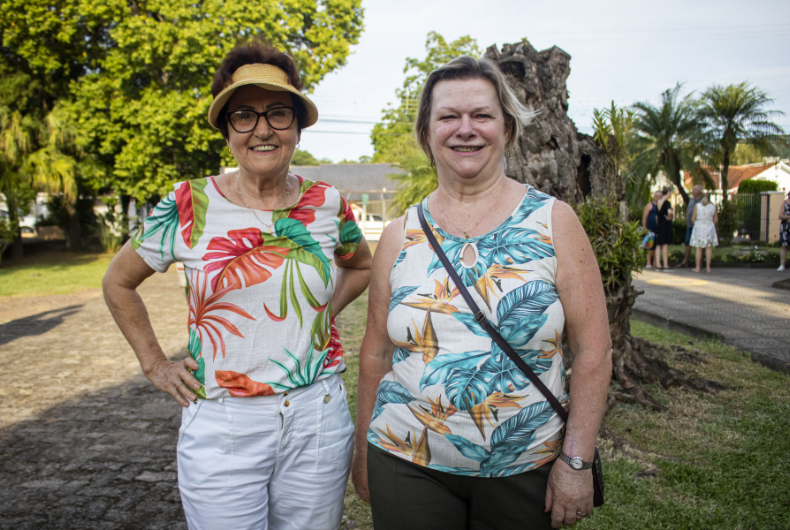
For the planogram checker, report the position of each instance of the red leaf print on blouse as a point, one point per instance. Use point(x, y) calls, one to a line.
point(201, 309)
point(335, 348)
point(314, 196)
point(242, 255)
point(239, 385)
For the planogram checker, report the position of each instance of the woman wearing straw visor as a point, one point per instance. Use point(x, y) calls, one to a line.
point(271, 258)
point(451, 433)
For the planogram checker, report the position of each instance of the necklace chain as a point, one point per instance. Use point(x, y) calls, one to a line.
point(269, 227)
point(466, 232)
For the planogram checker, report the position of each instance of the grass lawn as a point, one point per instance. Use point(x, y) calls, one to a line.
point(57, 273)
point(723, 459)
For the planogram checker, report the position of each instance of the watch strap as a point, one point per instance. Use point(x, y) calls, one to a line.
point(569, 460)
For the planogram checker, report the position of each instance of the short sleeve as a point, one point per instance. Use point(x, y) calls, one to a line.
point(155, 241)
point(350, 234)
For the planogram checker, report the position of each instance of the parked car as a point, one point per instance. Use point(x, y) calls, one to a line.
point(373, 226)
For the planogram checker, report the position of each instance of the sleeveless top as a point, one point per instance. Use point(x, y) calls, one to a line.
point(260, 316)
point(454, 401)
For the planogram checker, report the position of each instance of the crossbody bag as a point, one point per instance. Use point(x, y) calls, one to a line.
point(481, 319)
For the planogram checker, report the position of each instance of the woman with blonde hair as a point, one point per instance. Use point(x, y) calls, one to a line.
point(452, 432)
point(705, 217)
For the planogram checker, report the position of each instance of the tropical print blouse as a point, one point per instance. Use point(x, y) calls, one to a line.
point(454, 401)
point(260, 318)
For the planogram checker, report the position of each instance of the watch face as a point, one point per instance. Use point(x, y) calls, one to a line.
point(577, 462)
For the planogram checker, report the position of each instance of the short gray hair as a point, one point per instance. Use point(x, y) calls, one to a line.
point(516, 115)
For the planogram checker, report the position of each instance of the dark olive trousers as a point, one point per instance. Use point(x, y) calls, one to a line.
point(406, 496)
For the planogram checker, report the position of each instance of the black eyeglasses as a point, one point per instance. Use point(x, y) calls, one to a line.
point(279, 119)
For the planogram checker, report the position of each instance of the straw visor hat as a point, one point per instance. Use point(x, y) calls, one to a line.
point(265, 76)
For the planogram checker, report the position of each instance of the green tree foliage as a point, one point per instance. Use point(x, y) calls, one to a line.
point(669, 138)
point(304, 158)
point(137, 74)
point(38, 154)
point(144, 108)
point(616, 243)
point(736, 113)
point(393, 139)
point(613, 131)
point(746, 154)
point(419, 182)
point(749, 186)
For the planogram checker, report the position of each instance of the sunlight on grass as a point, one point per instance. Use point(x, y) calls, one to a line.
point(722, 457)
point(61, 273)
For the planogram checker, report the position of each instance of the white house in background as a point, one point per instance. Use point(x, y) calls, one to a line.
point(779, 173)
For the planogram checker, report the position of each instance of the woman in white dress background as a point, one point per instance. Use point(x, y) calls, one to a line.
point(703, 235)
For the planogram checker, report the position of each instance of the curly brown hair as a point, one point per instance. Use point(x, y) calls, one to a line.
point(256, 51)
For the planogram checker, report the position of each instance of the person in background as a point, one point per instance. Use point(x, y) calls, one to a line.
point(266, 438)
point(696, 197)
point(650, 223)
point(704, 217)
point(664, 229)
point(784, 232)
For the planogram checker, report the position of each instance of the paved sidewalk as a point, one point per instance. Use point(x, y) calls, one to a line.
point(735, 305)
point(86, 442)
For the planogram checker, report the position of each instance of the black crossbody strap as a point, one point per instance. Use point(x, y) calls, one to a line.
point(481, 319)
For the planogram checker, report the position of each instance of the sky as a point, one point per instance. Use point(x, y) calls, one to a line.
point(626, 51)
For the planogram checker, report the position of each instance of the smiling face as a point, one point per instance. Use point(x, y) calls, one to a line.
point(466, 132)
point(263, 151)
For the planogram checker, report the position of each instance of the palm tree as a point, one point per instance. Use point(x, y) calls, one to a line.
point(33, 156)
point(735, 114)
point(668, 137)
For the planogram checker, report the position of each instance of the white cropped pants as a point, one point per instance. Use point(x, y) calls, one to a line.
point(268, 462)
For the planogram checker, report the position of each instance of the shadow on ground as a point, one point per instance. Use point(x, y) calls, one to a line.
point(35, 324)
point(104, 460)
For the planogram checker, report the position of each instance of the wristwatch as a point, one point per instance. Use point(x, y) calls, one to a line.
point(575, 462)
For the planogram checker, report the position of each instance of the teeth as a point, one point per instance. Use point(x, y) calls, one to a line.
point(264, 148)
point(466, 149)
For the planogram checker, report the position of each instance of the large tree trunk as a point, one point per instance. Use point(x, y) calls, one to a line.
point(17, 248)
point(125, 201)
point(725, 170)
point(555, 158)
point(75, 230)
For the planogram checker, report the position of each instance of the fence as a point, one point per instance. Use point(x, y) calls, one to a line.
point(749, 208)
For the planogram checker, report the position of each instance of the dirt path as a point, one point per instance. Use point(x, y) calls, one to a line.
point(85, 441)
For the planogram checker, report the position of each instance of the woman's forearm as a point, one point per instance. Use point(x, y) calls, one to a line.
point(350, 284)
point(589, 387)
point(372, 368)
point(131, 315)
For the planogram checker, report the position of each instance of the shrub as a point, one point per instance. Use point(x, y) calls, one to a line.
point(616, 242)
point(754, 257)
point(756, 186)
point(730, 214)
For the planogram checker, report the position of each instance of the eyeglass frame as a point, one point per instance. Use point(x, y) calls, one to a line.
point(265, 117)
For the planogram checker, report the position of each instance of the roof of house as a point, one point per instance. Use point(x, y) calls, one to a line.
point(352, 180)
point(734, 176)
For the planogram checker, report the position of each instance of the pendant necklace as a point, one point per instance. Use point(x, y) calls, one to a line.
point(466, 232)
point(269, 227)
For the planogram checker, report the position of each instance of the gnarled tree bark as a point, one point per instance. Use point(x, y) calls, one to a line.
point(554, 157)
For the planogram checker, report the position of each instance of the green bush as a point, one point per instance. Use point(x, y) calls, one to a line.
point(756, 186)
point(730, 214)
point(754, 257)
point(616, 242)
